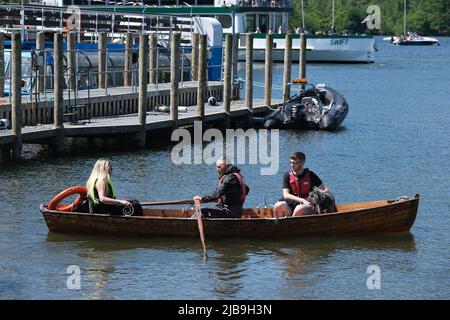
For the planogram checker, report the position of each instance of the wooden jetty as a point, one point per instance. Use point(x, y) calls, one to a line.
point(130, 111)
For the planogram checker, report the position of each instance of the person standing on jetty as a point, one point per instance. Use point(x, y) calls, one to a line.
point(297, 184)
point(230, 194)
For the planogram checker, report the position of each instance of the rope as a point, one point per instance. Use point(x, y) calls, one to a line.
point(262, 85)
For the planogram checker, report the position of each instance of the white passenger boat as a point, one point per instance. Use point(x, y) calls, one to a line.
point(273, 17)
point(326, 48)
point(262, 17)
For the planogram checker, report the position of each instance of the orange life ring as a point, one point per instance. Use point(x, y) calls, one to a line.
point(54, 204)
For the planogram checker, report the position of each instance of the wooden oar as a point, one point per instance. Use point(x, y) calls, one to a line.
point(198, 211)
point(161, 203)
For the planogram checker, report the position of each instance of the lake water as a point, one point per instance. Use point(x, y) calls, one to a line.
point(394, 142)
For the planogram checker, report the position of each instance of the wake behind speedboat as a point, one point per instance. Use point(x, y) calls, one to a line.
point(319, 107)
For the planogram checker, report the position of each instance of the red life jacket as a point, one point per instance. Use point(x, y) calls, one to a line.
point(241, 182)
point(300, 187)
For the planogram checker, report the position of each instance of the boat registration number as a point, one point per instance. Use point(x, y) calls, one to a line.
point(338, 42)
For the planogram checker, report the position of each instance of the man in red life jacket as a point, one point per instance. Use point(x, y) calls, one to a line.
point(230, 194)
point(296, 185)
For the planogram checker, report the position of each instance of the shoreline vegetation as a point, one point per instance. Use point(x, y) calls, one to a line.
point(426, 17)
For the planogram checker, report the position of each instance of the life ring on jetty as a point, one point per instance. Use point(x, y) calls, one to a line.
point(54, 204)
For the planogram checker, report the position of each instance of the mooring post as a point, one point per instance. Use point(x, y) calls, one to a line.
point(2, 64)
point(249, 71)
point(302, 58)
point(268, 70)
point(16, 99)
point(195, 56)
point(287, 67)
point(174, 75)
point(142, 100)
point(128, 59)
point(153, 58)
point(58, 88)
point(234, 68)
point(40, 47)
point(102, 43)
point(227, 74)
point(202, 65)
point(71, 60)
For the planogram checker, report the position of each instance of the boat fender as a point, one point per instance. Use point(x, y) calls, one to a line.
point(55, 203)
point(212, 101)
point(5, 124)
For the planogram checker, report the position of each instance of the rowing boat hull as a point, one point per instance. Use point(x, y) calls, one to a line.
point(359, 218)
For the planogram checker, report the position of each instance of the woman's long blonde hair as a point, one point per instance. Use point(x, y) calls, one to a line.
point(100, 173)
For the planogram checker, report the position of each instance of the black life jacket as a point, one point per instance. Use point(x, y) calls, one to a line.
point(241, 182)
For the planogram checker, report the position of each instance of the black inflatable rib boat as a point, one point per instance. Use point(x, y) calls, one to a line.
point(319, 107)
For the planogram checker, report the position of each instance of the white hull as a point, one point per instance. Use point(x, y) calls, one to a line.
point(319, 49)
point(413, 41)
point(343, 56)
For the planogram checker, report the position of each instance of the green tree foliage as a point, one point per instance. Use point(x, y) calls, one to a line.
point(427, 17)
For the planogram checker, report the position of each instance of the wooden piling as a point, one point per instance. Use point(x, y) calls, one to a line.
point(202, 83)
point(102, 43)
point(143, 67)
point(58, 92)
point(128, 59)
point(234, 67)
point(174, 75)
point(302, 58)
point(16, 99)
point(227, 73)
point(71, 60)
point(153, 58)
point(287, 67)
point(195, 56)
point(2, 64)
point(142, 99)
point(268, 70)
point(249, 71)
point(40, 47)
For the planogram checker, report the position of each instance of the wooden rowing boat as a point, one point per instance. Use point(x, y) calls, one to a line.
point(356, 218)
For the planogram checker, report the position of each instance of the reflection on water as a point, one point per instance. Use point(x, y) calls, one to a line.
point(232, 266)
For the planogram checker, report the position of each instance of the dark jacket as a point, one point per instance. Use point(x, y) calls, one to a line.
point(229, 191)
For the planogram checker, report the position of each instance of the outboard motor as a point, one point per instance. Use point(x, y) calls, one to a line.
point(312, 110)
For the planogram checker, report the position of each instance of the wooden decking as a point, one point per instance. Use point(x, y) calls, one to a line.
point(114, 126)
point(106, 102)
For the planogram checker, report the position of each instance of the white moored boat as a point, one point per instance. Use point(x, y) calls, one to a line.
point(264, 17)
point(327, 48)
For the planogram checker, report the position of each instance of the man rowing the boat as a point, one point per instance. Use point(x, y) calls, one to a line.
point(230, 194)
point(297, 184)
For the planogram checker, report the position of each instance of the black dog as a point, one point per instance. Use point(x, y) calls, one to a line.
point(323, 202)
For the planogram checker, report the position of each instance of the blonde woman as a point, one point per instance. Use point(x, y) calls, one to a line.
point(102, 191)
